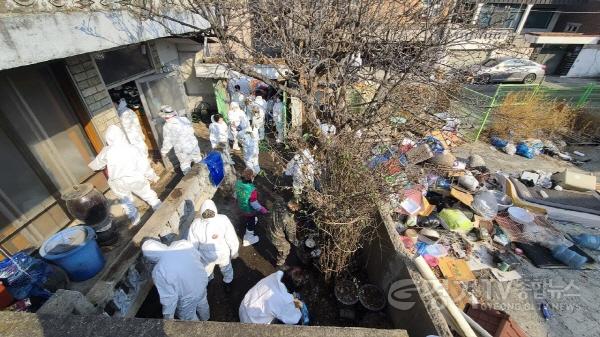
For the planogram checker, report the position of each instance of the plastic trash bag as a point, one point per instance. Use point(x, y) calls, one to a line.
point(485, 204)
point(525, 151)
point(24, 276)
point(498, 142)
point(214, 162)
point(455, 220)
point(434, 144)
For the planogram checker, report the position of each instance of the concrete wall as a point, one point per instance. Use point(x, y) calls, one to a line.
point(587, 63)
point(92, 91)
point(589, 21)
point(17, 324)
point(410, 302)
point(29, 38)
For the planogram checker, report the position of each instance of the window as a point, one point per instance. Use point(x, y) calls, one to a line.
point(541, 19)
point(572, 27)
point(500, 16)
point(123, 64)
point(490, 63)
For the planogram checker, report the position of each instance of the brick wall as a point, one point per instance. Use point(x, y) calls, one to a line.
point(93, 92)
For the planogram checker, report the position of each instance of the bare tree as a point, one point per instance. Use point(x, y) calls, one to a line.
point(374, 66)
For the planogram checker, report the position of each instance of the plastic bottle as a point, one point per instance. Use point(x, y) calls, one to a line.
point(570, 258)
point(588, 241)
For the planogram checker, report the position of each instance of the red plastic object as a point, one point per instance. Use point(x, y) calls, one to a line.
point(6, 298)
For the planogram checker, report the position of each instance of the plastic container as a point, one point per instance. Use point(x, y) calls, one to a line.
point(520, 215)
point(371, 297)
point(76, 251)
point(485, 204)
point(563, 254)
point(503, 200)
point(587, 241)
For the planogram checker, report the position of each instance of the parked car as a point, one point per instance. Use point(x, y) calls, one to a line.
point(506, 69)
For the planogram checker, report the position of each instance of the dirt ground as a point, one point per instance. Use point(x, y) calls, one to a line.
point(572, 295)
point(257, 261)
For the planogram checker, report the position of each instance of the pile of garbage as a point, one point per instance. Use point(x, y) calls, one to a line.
point(462, 219)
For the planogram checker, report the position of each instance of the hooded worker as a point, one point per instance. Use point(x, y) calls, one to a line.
point(180, 279)
point(217, 131)
point(251, 148)
point(247, 201)
point(238, 97)
point(259, 108)
point(237, 122)
point(302, 170)
point(128, 172)
point(271, 300)
point(213, 235)
point(178, 134)
point(131, 126)
point(279, 119)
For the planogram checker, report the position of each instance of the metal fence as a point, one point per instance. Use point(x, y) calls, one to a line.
point(476, 110)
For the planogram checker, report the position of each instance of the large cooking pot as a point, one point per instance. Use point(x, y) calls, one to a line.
point(87, 204)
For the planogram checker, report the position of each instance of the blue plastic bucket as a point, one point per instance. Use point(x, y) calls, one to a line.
point(76, 251)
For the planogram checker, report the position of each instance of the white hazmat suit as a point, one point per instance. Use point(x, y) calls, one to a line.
point(259, 108)
point(180, 279)
point(178, 134)
point(217, 132)
point(215, 240)
point(268, 300)
point(237, 121)
point(251, 149)
point(131, 126)
point(128, 172)
point(302, 170)
point(279, 119)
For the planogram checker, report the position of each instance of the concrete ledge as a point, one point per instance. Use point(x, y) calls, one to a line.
point(14, 324)
point(411, 305)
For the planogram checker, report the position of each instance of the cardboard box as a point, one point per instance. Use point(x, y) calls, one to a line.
point(571, 180)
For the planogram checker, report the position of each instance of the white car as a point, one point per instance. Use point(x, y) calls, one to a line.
point(506, 69)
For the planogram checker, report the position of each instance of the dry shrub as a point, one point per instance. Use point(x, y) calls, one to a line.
point(526, 115)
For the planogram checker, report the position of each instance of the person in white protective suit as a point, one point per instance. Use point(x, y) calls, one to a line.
point(302, 169)
point(128, 172)
point(238, 97)
point(217, 131)
point(251, 148)
point(259, 108)
point(178, 134)
point(279, 119)
point(237, 122)
point(131, 126)
point(271, 300)
point(180, 278)
point(213, 235)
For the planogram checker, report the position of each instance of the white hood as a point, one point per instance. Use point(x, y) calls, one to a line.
point(122, 106)
point(208, 205)
point(114, 135)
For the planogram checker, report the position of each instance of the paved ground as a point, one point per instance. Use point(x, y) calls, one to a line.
point(572, 295)
point(550, 81)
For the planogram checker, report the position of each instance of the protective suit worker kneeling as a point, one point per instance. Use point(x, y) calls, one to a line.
point(271, 299)
point(302, 170)
point(178, 133)
point(180, 279)
point(128, 172)
point(213, 235)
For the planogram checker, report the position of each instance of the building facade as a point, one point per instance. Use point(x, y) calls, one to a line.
point(62, 64)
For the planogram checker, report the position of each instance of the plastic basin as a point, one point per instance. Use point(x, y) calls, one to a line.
point(76, 251)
